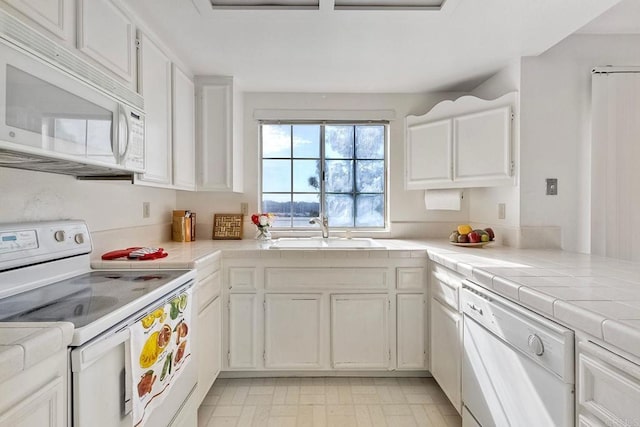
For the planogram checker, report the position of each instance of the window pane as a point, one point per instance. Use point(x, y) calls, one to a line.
point(276, 175)
point(306, 176)
point(306, 141)
point(370, 142)
point(340, 210)
point(338, 142)
point(369, 176)
point(276, 141)
point(339, 176)
point(280, 205)
point(370, 210)
point(305, 207)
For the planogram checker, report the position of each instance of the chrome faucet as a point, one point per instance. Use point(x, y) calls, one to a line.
point(323, 222)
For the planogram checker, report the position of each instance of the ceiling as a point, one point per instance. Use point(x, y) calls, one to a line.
point(377, 51)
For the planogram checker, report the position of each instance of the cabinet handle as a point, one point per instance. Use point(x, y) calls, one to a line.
point(475, 308)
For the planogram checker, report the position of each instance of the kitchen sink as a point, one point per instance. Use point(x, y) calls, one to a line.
point(325, 244)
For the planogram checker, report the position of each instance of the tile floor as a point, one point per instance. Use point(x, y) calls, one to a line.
point(274, 402)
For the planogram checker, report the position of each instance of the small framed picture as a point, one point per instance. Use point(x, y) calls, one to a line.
point(227, 226)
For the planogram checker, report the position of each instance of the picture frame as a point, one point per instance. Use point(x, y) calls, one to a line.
point(227, 226)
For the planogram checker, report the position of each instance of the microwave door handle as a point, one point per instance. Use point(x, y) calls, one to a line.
point(124, 120)
point(127, 400)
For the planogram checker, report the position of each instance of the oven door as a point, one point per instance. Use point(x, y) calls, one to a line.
point(101, 384)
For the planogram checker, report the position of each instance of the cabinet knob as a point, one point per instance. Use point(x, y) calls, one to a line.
point(536, 345)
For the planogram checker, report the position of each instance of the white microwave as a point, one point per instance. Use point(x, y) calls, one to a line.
point(49, 113)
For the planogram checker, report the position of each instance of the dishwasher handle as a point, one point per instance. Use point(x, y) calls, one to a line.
point(475, 308)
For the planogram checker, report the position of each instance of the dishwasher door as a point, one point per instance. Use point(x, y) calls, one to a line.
point(517, 367)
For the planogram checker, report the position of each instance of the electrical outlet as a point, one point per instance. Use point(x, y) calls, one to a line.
point(244, 208)
point(146, 209)
point(552, 186)
point(501, 210)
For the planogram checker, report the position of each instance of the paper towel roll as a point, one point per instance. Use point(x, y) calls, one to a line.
point(447, 200)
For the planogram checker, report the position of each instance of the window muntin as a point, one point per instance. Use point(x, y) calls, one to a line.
point(350, 157)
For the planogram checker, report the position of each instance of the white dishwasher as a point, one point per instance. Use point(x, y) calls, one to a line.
point(518, 367)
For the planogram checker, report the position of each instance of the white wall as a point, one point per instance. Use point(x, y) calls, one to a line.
point(105, 205)
point(483, 208)
point(555, 130)
point(407, 212)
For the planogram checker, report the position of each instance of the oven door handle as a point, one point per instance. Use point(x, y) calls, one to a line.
point(86, 356)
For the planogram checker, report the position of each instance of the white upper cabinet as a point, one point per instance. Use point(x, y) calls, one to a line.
point(55, 16)
point(154, 74)
point(219, 135)
point(183, 131)
point(461, 144)
point(106, 35)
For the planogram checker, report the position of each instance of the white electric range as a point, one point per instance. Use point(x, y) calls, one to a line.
point(45, 276)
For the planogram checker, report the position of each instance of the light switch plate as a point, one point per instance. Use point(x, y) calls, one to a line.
point(552, 186)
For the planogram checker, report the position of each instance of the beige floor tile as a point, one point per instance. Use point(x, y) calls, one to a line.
point(312, 389)
point(261, 389)
point(305, 416)
point(436, 418)
point(337, 381)
point(261, 416)
point(287, 381)
point(259, 399)
point(362, 416)
point(377, 416)
point(227, 411)
point(204, 413)
point(344, 395)
point(385, 381)
point(240, 395)
point(226, 398)
point(223, 422)
point(293, 395)
point(420, 415)
point(366, 399)
point(341, 421)
point(281, 422)
point(331, 391)
point(396, 410)
point(413, 389)
point(419, 398)
point(211, 399)
point(340, 410)
point(283, 411)
point(396, 395)
point(279, 395)
point(453, 420)
point(447, 409)
point(319, 416)
point(312, 399)
point(216, 389)
point(363, 389)
point(246, 417)
point(401, 421)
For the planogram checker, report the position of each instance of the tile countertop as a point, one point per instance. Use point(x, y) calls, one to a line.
point(593, 294)
point(23, 345)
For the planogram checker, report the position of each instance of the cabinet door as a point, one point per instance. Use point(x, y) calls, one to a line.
point(105, 34)
point(45, 407)
point(56, 16)
point(410, 331)
point(292, 331)
point(446, 350)
point(155, 86)
point(243, 329)
point(209, 346)
point(183, 131)
point(360, 331)
point(428, 155)
point(219, 148)
point(482, 146)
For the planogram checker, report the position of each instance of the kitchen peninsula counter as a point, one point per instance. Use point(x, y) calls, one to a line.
point(593, 294)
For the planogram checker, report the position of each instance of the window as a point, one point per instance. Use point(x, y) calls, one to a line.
point(332, 168)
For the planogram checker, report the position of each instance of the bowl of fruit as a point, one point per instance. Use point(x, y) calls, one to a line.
point(467, 236)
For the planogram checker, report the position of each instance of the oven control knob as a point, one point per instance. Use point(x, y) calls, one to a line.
point(536, 345)
point(79, 238)
point(59, 236)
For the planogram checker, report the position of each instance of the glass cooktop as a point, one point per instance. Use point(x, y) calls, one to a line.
point(84, 299)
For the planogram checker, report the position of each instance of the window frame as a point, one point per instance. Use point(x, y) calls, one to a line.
point(322, 159)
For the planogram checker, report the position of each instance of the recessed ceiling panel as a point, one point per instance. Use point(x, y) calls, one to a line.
point(265, 4)
point(389, 4)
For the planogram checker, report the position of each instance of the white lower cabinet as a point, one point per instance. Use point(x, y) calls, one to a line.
point(209, 351)
point(243, 331)
point(411, 331)
point(292, 331)
point(446, 350)
point(608, 387)
point(360, 331)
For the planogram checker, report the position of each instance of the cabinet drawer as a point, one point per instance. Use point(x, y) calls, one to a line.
point(242, 278)
point(207, 266)
point(410, 278)
point(326, 278)
point(608, 385)
point(208, 289)
point(444, 292)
